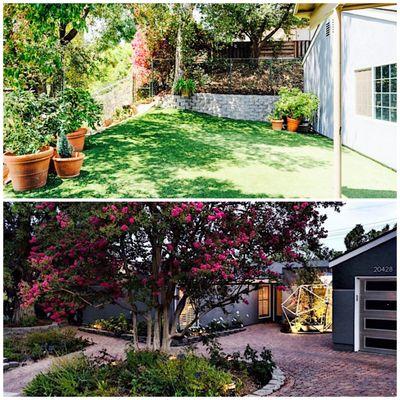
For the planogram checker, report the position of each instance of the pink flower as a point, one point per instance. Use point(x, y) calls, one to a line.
point(170, 247)
point(33, 240)
point(124, 210)
point(196, 245)
point(131, 220)
point(124, 228)
point(211, 217)
point(188, 218)
point(176, 211)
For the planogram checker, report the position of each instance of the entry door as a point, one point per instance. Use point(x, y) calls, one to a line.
point(377, 325)
point(264, 301)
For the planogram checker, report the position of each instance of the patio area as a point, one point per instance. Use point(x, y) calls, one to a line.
point(174, 154)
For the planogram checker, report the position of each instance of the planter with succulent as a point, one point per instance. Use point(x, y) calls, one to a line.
point(185, 87)
point(276, 119)
point(296, 106)
point(67, 162)
point(27, 139)
point(78, 107)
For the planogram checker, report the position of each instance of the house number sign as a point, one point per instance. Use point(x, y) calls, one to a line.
point(380, 270)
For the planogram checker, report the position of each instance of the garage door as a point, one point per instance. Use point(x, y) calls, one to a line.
point(378, 315)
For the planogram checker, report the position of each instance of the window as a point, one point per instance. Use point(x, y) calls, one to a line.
point(385, 92)
point(263, 301)
point(364, 92)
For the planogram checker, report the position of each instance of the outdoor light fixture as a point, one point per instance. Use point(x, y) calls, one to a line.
point(309, 308)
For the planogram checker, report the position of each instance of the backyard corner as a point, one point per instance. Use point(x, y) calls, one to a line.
point(167, 153)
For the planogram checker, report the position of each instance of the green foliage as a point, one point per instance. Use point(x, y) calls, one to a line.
point(185, 87)
point(117, 325)
point(78, 107)
point(358, 236)
point(295, 104)
point(64, 147)
point(275, 114)
point(37, 345)
point(144, 373)
point(30, 122)
point(28, 320)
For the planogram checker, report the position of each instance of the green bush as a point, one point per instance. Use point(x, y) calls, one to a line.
point(295, 104)
point(144, 373)
point(37, 345)
point(185, 87)
point(78, 107)
point(64, 148)
point(30, 122)
point(117, 325)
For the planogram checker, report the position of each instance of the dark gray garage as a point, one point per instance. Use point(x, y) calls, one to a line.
point(364, 297)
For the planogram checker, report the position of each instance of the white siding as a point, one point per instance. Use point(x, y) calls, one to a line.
point(367, 42)
point(318, 79)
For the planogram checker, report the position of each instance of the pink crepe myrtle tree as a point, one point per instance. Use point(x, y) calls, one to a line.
point(140, 60)
point(94, 253)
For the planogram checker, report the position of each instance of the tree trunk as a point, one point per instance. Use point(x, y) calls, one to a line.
point(156, 336)
point(135, 338)
point(178, 57)
point(255, 49)
point(149, 324)
point(166, 337)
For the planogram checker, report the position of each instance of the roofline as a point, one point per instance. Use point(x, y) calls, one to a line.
point(365, 247)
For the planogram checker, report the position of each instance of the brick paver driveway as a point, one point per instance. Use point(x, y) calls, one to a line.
point(313, 368)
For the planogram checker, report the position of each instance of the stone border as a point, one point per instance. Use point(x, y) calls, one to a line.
point(175, 343)
point(276, 382)
point(27, 329)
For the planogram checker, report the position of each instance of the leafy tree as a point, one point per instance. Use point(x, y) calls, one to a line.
point(36, 38)
point(258, 22)
point(358, 236)
point(91, 253)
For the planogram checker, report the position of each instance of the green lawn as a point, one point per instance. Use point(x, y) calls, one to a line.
point(170, 153)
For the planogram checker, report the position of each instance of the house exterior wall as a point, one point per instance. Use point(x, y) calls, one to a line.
point(318, 79)
point(235, 106)
point(367, 42)
point(343, 281)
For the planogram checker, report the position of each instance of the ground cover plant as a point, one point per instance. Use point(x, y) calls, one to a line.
point(153, 373)
point(38, 345)
point(171, 153)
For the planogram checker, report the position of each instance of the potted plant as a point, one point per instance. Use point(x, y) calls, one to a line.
point(276, 120)
point(78, 107)
point(296, 106)
point(185, 87)
point(67, 162)
point(26, 141)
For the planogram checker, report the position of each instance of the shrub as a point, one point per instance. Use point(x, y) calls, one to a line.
point(295, 104)
point(30, 122)
point(185, 87)
point(64, 148)
point(78, 107)
point(117, 325)
point(37, 345)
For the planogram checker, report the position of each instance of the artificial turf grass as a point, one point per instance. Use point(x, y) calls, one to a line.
point(172, 153)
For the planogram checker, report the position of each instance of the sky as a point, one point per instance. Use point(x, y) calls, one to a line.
point(369, 213)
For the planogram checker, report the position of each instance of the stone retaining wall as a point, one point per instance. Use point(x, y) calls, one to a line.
point(235, 106)
point(27, 329)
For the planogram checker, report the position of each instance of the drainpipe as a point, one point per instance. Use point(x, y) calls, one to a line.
point(337, 101)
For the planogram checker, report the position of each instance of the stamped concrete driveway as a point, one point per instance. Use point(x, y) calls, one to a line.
point(313, 368)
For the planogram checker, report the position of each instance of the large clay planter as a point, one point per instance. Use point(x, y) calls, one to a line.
point(68, 167)
point(77, 139)
point(29, 171)
point(277, 124)
point(293, 124)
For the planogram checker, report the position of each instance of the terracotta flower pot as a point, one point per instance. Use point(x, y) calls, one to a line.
point(107, 122)
point(29, 171)
point(293, 124)
point(77, 139)
point(69, 167)
point(277, 124)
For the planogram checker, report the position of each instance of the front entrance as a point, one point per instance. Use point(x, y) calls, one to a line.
point(269, 302)
point(376, 323)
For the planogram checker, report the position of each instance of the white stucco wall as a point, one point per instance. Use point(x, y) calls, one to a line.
point(368, 41)
point(318, 79)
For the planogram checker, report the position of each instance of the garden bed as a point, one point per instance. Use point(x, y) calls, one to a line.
point(151, 373)
point(34, 346)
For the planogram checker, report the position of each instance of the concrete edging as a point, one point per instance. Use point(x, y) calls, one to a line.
point(276, 382)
